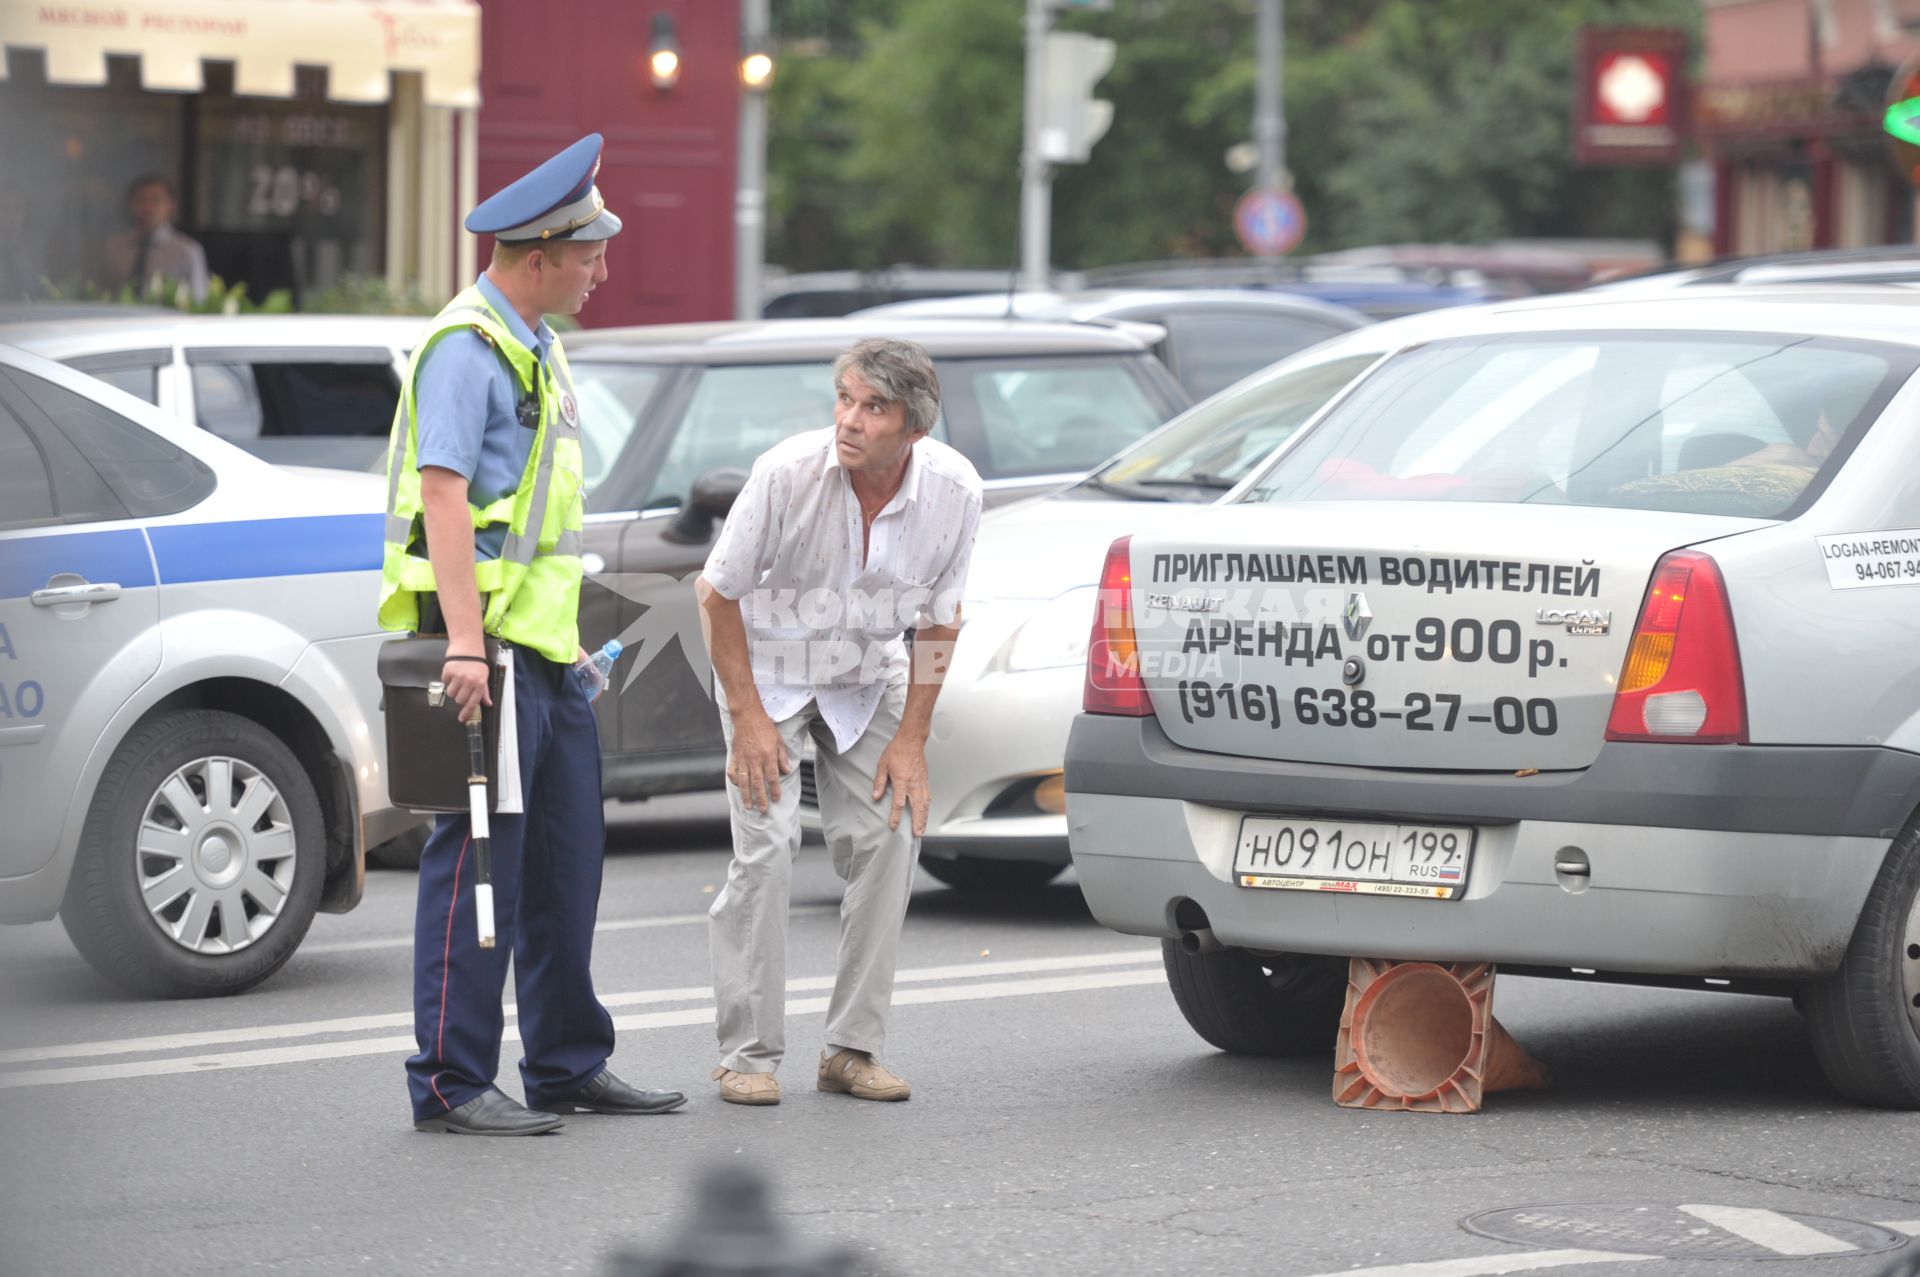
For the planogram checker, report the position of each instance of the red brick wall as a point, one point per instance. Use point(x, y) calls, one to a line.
point(556, 71)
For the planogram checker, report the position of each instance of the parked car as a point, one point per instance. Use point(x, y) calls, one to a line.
point(672, 418)
point(309, 390)
point(191, 759)
point(998, 819)
point(830, 293)
point(1382, 291)
point(1214, 336)
point(1578, 639)
point(1880, 264)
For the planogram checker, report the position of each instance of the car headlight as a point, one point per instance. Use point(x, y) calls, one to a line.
point(1055, 635)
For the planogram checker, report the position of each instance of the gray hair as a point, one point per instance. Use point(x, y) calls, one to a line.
point(901, 371)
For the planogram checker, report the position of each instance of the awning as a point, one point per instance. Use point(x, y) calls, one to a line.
point(357, 41)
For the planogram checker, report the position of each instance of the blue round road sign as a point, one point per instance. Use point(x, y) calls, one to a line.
point(1269, 222)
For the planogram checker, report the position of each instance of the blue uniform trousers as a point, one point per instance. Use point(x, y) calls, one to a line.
point(546, 893)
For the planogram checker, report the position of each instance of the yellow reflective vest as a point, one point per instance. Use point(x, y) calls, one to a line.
point(533, 589)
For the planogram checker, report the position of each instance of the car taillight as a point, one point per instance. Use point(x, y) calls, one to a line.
point(1114, 685)
point(1681, 681)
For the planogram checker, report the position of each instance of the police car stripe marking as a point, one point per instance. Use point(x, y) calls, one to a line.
point(197, 552)
point(119, 556)
point(189, 553)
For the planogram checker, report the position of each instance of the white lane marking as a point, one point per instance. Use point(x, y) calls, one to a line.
point(617, 924)
point(1490, 1265)
point(646, 1020)
point(1911, 1227)
point(401, 1019)
point(1770, 1229)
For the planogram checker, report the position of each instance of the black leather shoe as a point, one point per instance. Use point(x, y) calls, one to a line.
point(608, 1094)
point(491, 1113)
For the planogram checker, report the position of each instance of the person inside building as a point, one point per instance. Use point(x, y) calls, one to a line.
point(484, 525)
point(841, 540)
point(155, 256)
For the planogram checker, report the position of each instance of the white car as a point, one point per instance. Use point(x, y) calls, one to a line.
point(1580, 639)
point(308, 390)
point(191, 751)
point(1000, 729)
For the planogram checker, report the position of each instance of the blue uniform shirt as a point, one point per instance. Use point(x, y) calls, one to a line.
point(465, 402)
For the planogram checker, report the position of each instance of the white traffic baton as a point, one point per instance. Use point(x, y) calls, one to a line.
point(477, 805)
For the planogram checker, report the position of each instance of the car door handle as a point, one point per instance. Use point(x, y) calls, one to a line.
point(89, 592)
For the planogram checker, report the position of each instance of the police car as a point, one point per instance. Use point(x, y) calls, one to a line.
point(191, 758)
point(1578, 637)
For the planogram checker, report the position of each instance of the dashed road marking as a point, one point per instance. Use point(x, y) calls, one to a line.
point(1491, 1265)
point(1770, 1229)
point(1760, 1227)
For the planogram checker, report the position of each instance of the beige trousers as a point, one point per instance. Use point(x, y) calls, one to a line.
point(747, 925)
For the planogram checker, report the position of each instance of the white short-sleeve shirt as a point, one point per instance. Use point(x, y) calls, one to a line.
point(822, 625)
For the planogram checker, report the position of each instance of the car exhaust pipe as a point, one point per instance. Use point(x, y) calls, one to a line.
point(1201, 940)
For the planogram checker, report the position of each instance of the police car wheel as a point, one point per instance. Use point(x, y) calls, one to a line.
point(969, 874)
point(1865, 1018)
point(202, 859)
point(1258, 1003)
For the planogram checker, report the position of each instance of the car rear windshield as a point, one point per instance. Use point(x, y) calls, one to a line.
point(1736, 424)
point(1213, 446)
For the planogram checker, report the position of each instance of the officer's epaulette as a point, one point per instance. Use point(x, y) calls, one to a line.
point(482, 334)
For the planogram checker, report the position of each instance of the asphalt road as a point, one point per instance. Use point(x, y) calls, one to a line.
point(1065, 1120)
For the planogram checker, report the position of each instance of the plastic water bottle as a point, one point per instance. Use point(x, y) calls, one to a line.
point(596, 672)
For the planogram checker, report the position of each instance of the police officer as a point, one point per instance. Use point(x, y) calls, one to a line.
point(483, 540)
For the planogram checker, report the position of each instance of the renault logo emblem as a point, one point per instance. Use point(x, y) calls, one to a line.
point(1358, 616)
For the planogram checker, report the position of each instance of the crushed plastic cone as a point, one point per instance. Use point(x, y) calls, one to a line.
point(1420, 1036)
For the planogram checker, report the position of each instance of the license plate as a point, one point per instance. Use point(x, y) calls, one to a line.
point(1285, 854)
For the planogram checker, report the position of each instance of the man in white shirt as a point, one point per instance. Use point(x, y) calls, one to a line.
point(839, 542)
point(155, 252)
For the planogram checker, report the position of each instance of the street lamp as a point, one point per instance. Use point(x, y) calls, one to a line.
point(756, 70)
point(663, 53)
point(750, 187)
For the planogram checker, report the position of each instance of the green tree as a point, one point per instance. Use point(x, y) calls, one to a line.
point(896, 129)
point(1449, 120)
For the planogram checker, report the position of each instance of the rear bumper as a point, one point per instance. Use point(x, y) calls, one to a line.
point(1772, 891)
point(1850, 791)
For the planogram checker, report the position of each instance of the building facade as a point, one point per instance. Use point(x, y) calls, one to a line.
point(1787, 113)
point(313, 143)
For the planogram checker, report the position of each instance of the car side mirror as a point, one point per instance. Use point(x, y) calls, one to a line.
point(713, 495)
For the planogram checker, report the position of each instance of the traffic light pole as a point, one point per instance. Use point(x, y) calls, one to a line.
point(1036, 175)
point(1269, 114)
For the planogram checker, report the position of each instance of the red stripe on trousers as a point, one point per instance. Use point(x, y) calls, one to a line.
point(446, 970)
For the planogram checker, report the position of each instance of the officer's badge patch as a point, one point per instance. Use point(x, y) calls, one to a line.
point(568, 410)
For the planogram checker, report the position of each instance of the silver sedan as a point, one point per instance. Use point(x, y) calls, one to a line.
point(1579, 639)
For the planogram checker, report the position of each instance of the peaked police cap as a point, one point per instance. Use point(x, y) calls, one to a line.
point(558, 200)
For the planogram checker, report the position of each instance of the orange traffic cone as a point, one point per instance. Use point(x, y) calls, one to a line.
point(1420, 1036)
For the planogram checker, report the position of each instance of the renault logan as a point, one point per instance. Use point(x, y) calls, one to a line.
point(1580, 639)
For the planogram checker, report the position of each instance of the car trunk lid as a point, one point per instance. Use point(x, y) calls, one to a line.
point(1398, 634)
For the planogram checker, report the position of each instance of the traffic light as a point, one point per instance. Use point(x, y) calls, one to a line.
point(1071, 118)
point(1902, 120)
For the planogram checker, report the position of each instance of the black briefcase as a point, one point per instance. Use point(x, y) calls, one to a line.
point(427, 762)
